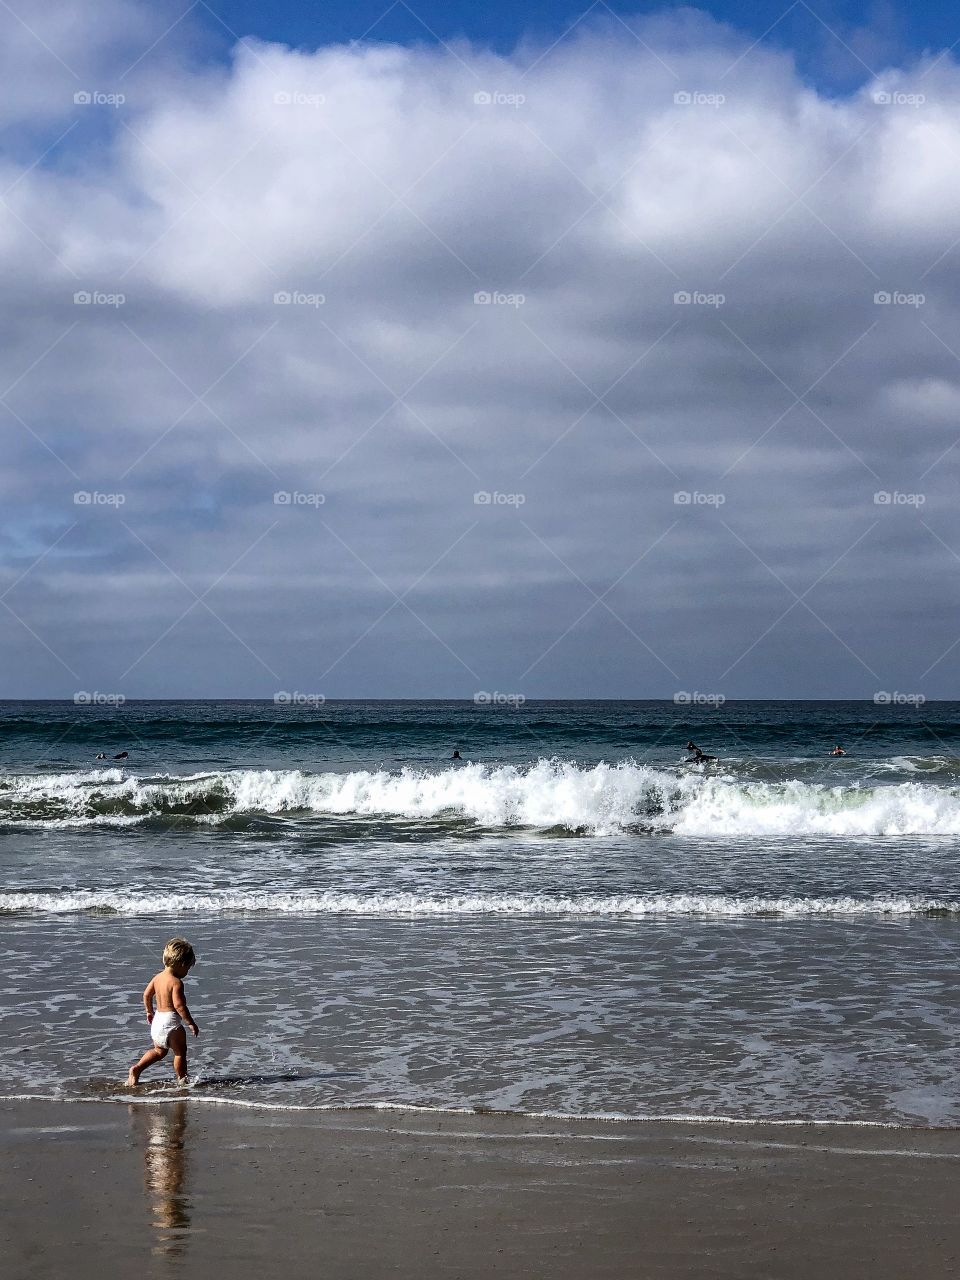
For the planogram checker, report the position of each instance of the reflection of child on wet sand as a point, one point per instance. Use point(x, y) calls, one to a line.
point(162, 1132)
point(166, 1023)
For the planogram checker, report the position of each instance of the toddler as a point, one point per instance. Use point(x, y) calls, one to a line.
point(167, 1022)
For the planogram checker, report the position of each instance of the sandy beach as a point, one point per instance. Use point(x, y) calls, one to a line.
point(100, 1189)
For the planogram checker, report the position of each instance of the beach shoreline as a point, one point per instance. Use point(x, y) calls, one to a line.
point(112, 1189)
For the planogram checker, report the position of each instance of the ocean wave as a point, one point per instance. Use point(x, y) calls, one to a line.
point(141, 902)
point(547, 795)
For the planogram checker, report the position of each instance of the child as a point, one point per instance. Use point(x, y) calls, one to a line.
point(166, 1027)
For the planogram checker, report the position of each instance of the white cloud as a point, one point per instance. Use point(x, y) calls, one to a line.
point(371, 176)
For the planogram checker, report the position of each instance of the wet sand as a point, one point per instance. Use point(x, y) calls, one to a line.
point(192, 1189)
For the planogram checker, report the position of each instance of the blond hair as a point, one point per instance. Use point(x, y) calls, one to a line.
point(177, 953)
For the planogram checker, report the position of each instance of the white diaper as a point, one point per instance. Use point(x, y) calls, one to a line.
point(161, 1026)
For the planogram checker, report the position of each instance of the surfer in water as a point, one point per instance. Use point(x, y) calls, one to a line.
point(698, 756)
point(456, 756)
point(838, 751)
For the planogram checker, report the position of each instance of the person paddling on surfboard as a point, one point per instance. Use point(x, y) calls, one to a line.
point(698, 756)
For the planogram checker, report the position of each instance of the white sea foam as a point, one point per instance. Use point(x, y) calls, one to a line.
point(797, 808)
point(601, 800)
point(133, 902)
point(617, 1120)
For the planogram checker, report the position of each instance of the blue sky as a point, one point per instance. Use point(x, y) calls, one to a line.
point(876, 34)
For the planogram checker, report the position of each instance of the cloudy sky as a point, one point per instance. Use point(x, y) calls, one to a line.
point(609, 357)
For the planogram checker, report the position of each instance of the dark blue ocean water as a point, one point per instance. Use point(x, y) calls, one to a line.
point(176, 736)
point(570, 918)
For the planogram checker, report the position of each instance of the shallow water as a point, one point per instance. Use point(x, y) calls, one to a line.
point(591, 927)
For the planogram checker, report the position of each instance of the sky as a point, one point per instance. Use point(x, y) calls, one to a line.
point(429, 350)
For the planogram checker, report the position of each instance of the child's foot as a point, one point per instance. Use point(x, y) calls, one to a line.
point(132, 1079)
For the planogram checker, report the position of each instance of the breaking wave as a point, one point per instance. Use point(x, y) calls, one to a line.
point(141, 902)
point(547, 795)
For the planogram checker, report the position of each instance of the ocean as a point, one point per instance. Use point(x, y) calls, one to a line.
point(570, 920)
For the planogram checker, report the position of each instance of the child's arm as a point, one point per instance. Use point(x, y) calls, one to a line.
point(180, 1004)
point(148, 1001)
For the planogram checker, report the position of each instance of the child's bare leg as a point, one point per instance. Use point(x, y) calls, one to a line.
point(149, 1058)
point(178, 1043)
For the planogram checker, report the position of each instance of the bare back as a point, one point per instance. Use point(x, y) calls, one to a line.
point(167, 990)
